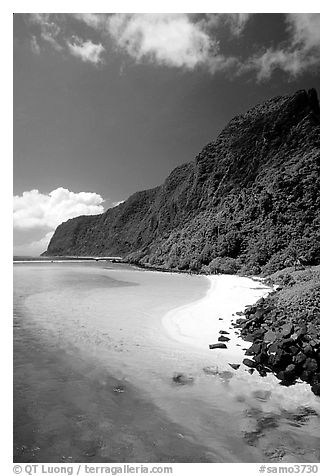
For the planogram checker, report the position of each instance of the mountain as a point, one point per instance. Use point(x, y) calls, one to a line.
point(248, 203)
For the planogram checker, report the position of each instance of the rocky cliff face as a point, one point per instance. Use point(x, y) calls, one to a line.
point(249, 202)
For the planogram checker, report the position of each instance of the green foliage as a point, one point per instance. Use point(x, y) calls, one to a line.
point(249, 203)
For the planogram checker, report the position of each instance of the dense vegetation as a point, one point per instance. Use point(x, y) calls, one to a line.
point(248, 203)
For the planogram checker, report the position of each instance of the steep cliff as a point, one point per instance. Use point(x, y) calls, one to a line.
point(249, 202)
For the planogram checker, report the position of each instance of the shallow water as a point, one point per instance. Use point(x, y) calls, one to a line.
point(94, 358)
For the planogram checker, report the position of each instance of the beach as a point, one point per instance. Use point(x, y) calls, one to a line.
point(128, 333)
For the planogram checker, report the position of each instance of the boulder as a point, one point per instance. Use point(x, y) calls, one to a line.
point(307, 349)
point(249, 363)
point(310, 365)
point(220, 345)
point(261, 358)
point(270, 336)
point(182, 379)
point(258, 334)
point(234, 366)
point(287, 330)
point(256, 348)
point(299, 358)
point(223, 339)
point(290, 370)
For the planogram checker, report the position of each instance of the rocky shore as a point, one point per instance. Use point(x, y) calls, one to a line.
point(284, 328)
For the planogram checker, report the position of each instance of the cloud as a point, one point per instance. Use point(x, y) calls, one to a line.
point(94, 20)
point(236, 22)
point(33, 248)
point(33, 210)
point(185, 41)
point(34, 45)
point(301, 53)
point(304, 29)
point(165, 39)
point(49, 29)
point(87, 51)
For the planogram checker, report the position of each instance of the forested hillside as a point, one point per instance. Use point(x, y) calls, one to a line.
point(248, 203)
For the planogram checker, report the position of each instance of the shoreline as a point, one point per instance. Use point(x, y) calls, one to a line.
point(198, 323)
point(187, 325)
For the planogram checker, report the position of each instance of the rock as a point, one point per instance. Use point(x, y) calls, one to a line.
point(307, 349)
point(249, 363)
point(119, 389)
point(234, 366)
point(220, 345)
point(223, 339)
point(281, 359)
point(310, 365)
point(270, 336)
point(299, 358)
point(276, 454)
point(182, 379)
point(261, 358)
point(273, 348)
point(239, 313)
point(294, 350)
point(285, 378)
point(226, 375)
point(211, 370)
point(250, 371)
point(258, 334)
point(224, 332)
point(253, 350)
point(290, 370)
point(316, 389)
point(286, 343)
point(287, 330)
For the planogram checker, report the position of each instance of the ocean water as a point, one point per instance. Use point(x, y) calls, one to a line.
point(94, 368)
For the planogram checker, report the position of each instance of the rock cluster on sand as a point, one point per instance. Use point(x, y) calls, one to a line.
point(284, 329)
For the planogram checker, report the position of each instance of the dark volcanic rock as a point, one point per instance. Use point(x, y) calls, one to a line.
point(249, 363)
point(182, 379)
point(286, 336)
point(220, 345)
point(223, 339)
point(234, 366)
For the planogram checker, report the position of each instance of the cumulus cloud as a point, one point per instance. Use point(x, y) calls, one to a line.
point(300, 53)
point(184, 41)
point(166, 39)
point(87, 51)
point(46, 211)
point(40, 214)
point(35, 247)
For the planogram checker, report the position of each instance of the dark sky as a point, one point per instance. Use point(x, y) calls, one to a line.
point(111, 107)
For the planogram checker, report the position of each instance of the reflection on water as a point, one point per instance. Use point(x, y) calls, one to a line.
point(94, 377)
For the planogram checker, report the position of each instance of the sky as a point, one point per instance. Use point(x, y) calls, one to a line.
point(109, 104)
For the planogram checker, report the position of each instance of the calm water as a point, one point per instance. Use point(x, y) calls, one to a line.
point(93, 377)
